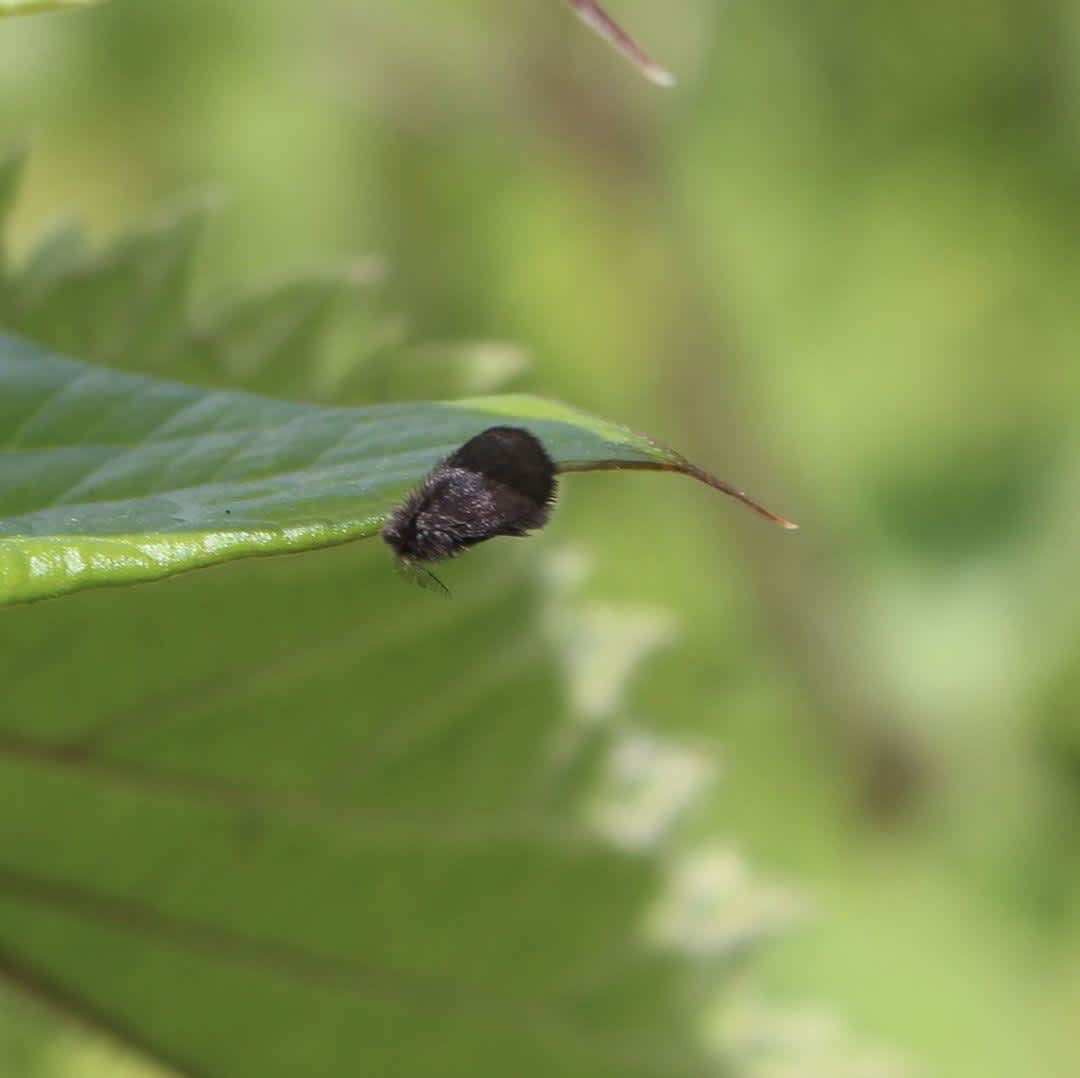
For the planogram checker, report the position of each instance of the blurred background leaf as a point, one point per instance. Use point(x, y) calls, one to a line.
point(28, 7)
point(310, 831)
point(838, 264)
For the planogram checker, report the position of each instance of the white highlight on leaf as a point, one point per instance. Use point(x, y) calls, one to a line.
point(606, 646)
point(74, 561)
point(714, 906)
point(601, 644)
point(645, 790)
point(491, 365)
point(711, 908)
point(763, 1041)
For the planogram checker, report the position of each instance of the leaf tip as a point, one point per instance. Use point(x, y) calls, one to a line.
point(702, 476)
point(659, 76)
point(601, 23)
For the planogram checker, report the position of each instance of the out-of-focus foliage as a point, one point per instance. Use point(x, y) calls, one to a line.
point(838, 264)
point(28, 7)
point(256, 853)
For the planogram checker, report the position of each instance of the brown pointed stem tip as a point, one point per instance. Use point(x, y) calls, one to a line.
point(600, 22)
point(681, 466)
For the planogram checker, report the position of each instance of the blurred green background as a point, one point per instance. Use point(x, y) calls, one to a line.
point(838, 265)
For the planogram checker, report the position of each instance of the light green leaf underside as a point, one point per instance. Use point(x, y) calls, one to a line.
point(29, 7)
point(108, 477)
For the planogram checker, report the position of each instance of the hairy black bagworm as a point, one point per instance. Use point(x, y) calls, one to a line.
point(501, 482)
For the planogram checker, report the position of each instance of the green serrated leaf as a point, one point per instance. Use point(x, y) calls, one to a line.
point(125, 306)
point(109, 478)
point(30, 7)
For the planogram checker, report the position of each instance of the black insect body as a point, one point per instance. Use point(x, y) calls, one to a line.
point(502, 482)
